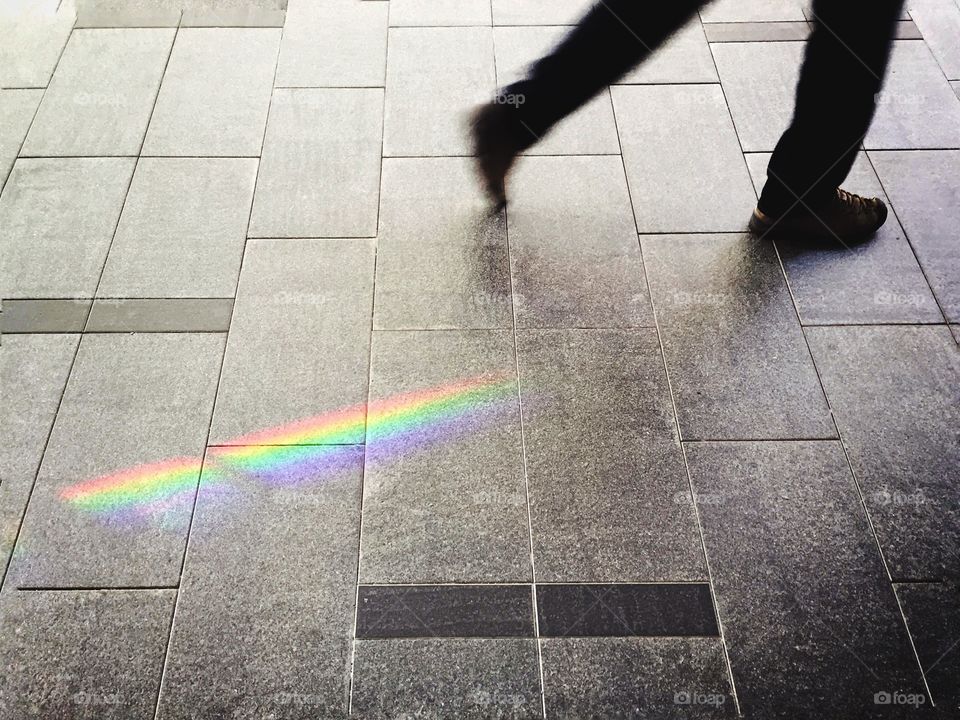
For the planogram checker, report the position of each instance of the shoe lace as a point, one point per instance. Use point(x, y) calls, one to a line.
point(852, 202)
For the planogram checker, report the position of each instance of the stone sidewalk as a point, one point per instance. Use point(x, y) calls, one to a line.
point(294, 427)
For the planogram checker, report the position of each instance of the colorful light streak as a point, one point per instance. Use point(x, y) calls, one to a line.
point(307, 448)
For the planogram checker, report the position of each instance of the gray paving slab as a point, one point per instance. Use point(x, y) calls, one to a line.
point(17, 108)
point(215, 15)
point(100, 99)
point(759, 81)
point(115, 491)
point(756, 31)
point(907, 30)
point(160, 315)
point(737, 360)
point(955, 84)
point(753, 11)
point(809, 616)
point(215, 93)
point(835, 283)
point(417, 611)
point(434, 77)
point(33, 372)
point(440, 12)
point(589, 131)
point(609, 499)
point(539, 12)
point(442, 258)
point(924, 188)
point(683, 58)
point(57, 218)
point(894, 393)
point(444, 494)
point(939, 24)
point(283, 591)
point(955, 329)
point(636, 677)
point(319, 174)
point(44, 316)
point(932, 611)
point(32, 36)
point(573, 245)
point(82, 655)
point(183, 228)
point(467, 678)
point(811, 16)
point(683, 162)
point(299, 341)
point(334, 45)
point(128, 13)
point(916, 107)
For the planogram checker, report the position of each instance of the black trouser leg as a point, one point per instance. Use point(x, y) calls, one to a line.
point(610, 40)
point(843, 69)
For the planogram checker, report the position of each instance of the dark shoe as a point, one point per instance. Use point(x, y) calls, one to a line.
point(846, 217)
point(495, 147)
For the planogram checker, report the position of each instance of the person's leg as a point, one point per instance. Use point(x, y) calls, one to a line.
point(613, 37)
point(843, 69)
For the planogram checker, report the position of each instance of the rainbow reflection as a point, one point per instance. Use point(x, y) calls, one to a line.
point(308, 448)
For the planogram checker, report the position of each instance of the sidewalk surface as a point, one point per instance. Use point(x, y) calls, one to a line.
point(294, 427)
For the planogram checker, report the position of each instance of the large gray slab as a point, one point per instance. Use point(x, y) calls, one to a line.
point(32, 36)
point(759, 81)
point(33, 372)
point(895, 393)
point(924, 187)
point(283, 591)
point(683, 161)
point(738, 363)
point(437, 678)
point(939, 23)
point(57, 218)
point(434, 77)
point(444, 495)
point(213, 14)
point(753, 11)
point(17, 108)
point(539, 12)
point(916, 108)
point(684, 57)
point(114, 494)
point(589, 131)
point(82, 655)
point(668, 678)
point(878, 281)
point(756, 31)
point(334, 45)
point(128, 13)
point(300, 338)
point(932, 611)
point(183, 228)
point(320, 169)
point(44, 316)
point(573, 245)
point(809, 616)
point(440, 12)
point(442, 258)
point(215, 93)
point(160, 315)
point(609, 499)
point(100, 99)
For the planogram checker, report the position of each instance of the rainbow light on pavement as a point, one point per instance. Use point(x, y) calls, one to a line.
point(316, 445)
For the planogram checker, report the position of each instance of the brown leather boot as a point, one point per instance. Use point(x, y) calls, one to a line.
point(846, 217)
